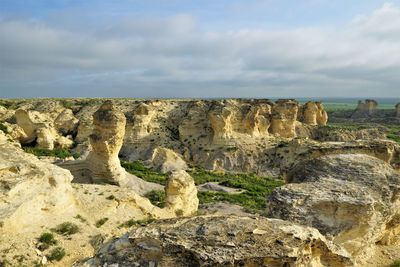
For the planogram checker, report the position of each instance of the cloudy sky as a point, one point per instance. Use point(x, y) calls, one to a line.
point(203, 48)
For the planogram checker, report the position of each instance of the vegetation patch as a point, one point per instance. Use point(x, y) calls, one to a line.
point(80, 218)
point(66, 228)
point(137, 168)
point(56, 254)
point(396, 263)
point(133, 222)
point(46, 240)
point(157, 198)
point(3, 128)
point(57, 152)
point(100, 222)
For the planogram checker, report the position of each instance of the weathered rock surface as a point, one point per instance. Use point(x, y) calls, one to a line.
point(31, 190)
point(354, 198)
point(166, 160)
point(365, 108)
point(284, 116)
point(221, 241)
point(106, 141)
point(181, 194)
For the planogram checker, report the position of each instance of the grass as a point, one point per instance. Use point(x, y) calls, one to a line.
point(137, 168)
point(396, 263)
point(57, 152)
point(66, 228)
point(100, 222)
point(3, 128)
point(56, 254)
point(157, 198)
point(46, 240)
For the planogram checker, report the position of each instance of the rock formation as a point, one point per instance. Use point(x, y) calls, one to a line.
point(397, 113)
point(313, 113)
point(354, 198)
point(166, 160)
point(284, 115)
point(181, 194)
point(365, 108)
point(142, 116)
point(66, 123)
point(221, 241)
point(221, 124)
point(106, 142)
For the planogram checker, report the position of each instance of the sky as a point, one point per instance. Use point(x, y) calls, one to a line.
point(199, 48)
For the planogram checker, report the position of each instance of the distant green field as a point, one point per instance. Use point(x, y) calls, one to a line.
point(350, 106)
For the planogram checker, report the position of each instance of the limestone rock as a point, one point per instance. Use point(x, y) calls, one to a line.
point(166, 160)
point(221, 124)
point(221, 241)
point(322, 115)
point(284, 116)
point(66, 122)
point(106, 141)
point(143, 114)
point(31, 190)
point(365, 108)
point(354, 198)
point(181, 194)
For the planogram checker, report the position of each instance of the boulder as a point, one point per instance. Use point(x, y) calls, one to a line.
point(181, 194)
point(354, 198)
point(66, 123)
point(221, 241)
point(166, 160)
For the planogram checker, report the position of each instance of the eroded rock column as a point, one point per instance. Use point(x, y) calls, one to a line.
point(397, 113)
point(284, 116)
point(106, 141)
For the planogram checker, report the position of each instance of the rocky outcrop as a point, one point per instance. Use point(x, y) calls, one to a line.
point(313, 113)
point(354, 198)
point(287, 155)
point(106, 141)
point(365, 109)
point(221, 241)
point(397, 112)
point(66, 123)
point(284, 116)
point(166, 160)
point(181, 194)
point(30, 190)
point(142, 116)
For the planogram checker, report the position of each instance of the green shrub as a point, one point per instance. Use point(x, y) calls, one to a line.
point(80, 217)
point(100, 222)
point(137, 168)
point(57, 152)
point(56, 254)
point(66, 228)
point(46, 240)
point(157, 198)
point(3, 128)
point(396, 263)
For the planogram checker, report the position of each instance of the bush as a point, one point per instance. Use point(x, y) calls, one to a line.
point(56, 254)
point(157, 198)
point(46, 240)
point(100, 222)
point(396, 263)
point(66, 228)
point(3, 128)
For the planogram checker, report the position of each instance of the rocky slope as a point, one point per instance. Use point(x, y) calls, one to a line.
point(221, 241)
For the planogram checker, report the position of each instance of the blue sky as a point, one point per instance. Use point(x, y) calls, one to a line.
point(173, 48)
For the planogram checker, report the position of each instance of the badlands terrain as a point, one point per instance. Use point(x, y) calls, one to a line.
point(234, 182)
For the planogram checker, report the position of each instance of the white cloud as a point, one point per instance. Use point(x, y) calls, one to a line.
point(174, 57)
